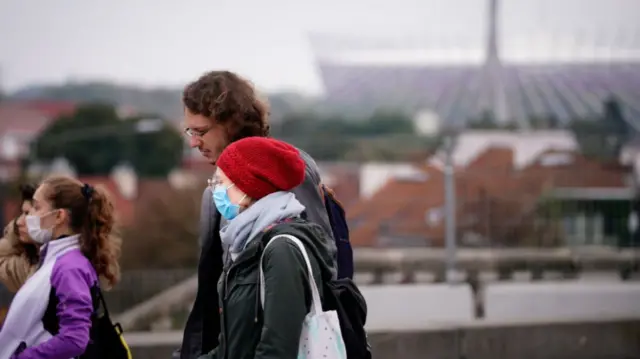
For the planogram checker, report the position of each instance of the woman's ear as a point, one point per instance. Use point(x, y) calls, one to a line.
point(61, 217)
point(246, 202)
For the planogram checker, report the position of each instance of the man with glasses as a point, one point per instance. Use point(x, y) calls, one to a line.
point(220, 108)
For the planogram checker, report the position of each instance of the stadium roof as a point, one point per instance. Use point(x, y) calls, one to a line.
point(566, 91)
point(518, 76)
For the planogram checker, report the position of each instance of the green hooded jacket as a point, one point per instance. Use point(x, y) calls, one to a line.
point(248, 331)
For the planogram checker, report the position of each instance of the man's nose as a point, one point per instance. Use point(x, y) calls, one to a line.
point(194, 142)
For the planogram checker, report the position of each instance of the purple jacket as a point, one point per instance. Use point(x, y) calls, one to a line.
point(50, 316)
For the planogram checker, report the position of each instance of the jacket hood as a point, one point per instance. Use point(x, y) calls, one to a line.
point(317, 242)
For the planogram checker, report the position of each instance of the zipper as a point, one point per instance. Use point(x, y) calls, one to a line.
point(223, 308)
point(258, 301)
point(226, 273)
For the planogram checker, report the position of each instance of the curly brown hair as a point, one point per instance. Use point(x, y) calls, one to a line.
point(27, 191)
point(229, 100)
point(93, 218)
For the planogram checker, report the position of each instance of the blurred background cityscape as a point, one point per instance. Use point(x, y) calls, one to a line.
point(487, 153)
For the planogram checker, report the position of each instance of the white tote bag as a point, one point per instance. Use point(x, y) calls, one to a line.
point(321, 337)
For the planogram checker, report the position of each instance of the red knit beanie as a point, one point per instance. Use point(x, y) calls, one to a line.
point(259, 166)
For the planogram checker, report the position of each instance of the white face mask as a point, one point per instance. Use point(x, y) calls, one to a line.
point(38, 234)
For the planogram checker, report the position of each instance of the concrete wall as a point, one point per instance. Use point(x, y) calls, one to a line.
point(561, 300)
point(419, 306)
point(402, 307)
point(613, 339)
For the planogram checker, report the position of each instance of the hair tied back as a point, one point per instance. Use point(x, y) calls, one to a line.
point(87, 191)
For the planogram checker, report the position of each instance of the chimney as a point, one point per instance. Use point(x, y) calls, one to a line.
point(126, 180)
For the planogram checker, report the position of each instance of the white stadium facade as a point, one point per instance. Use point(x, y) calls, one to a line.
point(368, 74)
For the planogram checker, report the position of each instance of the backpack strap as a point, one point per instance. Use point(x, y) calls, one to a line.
point(269, 227)
point(329, 192)
point(316, 305)
point(98, 299)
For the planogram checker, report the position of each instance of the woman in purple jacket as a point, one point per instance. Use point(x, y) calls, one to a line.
point(50, 316)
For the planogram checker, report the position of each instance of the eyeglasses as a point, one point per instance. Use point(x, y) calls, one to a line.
point(213, 182)
point(196, 133)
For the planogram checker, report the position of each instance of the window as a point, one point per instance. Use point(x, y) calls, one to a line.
point(581, 229)
point(595, 230)
point(391, 240)
point(472, 239)
point(434, 216)
point(412, 177)
point(9, 147)
point(633, 222)
point(556, 159)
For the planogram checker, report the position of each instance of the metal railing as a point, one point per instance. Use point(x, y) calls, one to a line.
point(505, 262)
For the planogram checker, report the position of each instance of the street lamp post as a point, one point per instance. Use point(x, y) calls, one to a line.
point(450, 209)
point(430, 123)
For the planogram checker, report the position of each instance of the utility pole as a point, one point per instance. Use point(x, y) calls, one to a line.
point(450, 209)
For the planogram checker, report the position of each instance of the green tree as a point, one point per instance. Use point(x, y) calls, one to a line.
point(90, 139)
point(164, 232)
point(486, 121)
point(602, 137)
point(295, 124)
point(153, 154)
point(617, 127)
point(94, 140)
point(544, 122)
point(385, 135)
point(387, 123)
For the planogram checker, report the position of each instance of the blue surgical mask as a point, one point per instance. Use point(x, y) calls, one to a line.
point(227, 209)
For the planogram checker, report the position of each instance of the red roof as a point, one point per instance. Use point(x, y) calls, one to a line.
point(51, 109)
point(31, 117)
point(492, 160)
point(493, 200)
point(344, 180)
point(19, 119)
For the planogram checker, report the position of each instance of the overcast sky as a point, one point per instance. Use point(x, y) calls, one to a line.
point(168, 42)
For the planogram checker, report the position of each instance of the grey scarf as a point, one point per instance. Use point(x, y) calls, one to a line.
point(239, 232)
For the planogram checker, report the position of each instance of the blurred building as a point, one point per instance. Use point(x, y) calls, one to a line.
point(513, 189)
point(359, 74)
point(20, 123)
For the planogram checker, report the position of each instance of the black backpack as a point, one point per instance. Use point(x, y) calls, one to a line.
point(343, 296)
point(105, 338)
point(107, 341)
point(340, 229)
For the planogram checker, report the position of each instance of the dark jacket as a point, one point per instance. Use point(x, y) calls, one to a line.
point(203, 324)
point(248, 331)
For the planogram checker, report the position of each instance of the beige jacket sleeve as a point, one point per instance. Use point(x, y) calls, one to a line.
point(14, 263)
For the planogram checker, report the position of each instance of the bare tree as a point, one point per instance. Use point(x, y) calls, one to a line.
point(165, 231)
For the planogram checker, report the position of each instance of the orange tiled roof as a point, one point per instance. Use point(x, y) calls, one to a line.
point(491, 197)
point(51, 109)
